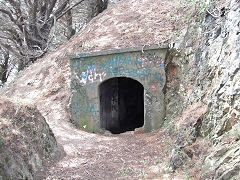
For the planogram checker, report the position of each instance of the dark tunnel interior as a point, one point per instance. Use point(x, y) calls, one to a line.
point(121, 104)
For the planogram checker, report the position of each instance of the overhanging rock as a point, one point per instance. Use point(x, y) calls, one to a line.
point(119, 90)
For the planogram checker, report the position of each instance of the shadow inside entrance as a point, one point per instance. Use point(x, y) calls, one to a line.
point(121, 104)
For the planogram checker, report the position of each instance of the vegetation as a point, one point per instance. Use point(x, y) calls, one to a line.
point(29, 26)
point(1, 141)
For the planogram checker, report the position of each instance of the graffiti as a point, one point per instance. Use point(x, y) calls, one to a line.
point(93, 109)
point(136, 73)
point(143, 74)
point(92, 75)
point(149, 60)
point(117, 61)
point(144, 62)
point(135, 67)
point(156, 86)
point(85, 108)
point(116, 68)
point(161, 63)
point(153, 87)
point(89, 70)
point(158, 77)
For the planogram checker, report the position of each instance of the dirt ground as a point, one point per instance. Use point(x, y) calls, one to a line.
point(108, 156)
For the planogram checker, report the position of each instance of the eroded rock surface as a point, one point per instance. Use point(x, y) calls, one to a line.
point(206, 74)
point(26, 141)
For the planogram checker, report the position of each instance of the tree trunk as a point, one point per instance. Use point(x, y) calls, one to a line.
point(70, 30)
point(4, 67)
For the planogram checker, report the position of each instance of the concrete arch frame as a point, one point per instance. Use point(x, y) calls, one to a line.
point(90, 70)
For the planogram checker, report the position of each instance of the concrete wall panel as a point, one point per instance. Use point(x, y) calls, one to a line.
point(89, 70)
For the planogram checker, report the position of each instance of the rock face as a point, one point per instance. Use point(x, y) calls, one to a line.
point(203, 92)
point(222, 120)
point(26, 141)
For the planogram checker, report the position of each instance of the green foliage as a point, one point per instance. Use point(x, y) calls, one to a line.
point(126, 171)
point(195, 8)
point(158, 161)
point(86, 47)
point(238, 136)
point(196, 3)
point(146, 162)
point(185, 171)
point(1, 141)
point(84, 123)
point(198, 6)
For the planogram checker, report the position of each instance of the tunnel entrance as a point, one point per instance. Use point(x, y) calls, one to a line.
point(121, 104)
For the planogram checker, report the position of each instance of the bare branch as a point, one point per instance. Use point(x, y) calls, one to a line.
point(68, 9)
point(29, 26)
point(51, 5)
point(9, 14)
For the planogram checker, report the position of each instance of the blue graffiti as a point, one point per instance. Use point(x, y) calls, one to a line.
point(162, 64)
point(85, 108)
point(93, 109)
point(90, 68)
point(158, 77)
point(84, 75)
point(124, 65)
point(118, 61)
point(138, 63)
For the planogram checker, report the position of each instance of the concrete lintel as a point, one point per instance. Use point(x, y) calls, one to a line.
point(119, 51)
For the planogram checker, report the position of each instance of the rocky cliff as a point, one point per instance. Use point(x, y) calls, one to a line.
point(203, 94)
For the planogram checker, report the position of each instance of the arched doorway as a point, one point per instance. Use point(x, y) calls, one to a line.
point(121, 104)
